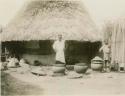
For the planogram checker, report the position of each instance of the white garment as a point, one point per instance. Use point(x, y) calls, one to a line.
point(59, 47)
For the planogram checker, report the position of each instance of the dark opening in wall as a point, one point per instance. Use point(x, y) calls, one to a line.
point(81, 51)
point(75, 51)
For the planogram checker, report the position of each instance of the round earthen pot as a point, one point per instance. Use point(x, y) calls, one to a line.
point(80, 67)
point(97, 63)
point(58, 68)
point(96, 66)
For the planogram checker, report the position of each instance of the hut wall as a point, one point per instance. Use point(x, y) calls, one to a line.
point(44, 59)
point(75, 52)
point(43, 52)
point(50, 59)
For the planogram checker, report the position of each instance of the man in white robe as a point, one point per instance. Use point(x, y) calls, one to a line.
point(59, 47)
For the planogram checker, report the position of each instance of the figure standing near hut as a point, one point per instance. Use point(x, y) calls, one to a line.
point(59, 47)
point(106, 56)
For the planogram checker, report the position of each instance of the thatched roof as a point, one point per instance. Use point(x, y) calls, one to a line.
point(43, 20)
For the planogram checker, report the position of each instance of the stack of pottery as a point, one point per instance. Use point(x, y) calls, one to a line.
point(97, 63)
point(58, 69)
point(80, 68)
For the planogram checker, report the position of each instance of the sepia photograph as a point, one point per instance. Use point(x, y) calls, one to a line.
point(62, 47)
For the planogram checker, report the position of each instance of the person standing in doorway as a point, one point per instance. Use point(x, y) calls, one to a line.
point(59, 48)
point(106, 56)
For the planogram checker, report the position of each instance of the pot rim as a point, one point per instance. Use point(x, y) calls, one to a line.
point(58, 65)
point(97, 63)
point(81, 64)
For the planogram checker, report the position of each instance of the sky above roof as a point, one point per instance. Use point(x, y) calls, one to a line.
point(100, 10)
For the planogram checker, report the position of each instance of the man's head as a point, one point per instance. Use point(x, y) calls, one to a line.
point(59, 37)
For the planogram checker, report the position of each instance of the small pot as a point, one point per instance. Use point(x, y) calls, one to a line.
point(80, 67)
point(97, 63)
point(58, 68)
point(96, 66)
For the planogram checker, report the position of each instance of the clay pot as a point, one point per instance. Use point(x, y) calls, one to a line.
point(96, 66)
point(58, 68)
point(97, 63)
point(80, 67)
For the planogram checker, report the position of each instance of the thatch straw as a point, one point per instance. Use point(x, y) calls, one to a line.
point(116, 39)
point(118, 42)
point(43, 20)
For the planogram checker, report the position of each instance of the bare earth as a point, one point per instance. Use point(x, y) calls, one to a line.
point(96, 83)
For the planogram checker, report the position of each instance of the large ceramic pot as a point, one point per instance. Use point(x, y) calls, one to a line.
point(97, 63)
point(58, 68)
point(80, 67)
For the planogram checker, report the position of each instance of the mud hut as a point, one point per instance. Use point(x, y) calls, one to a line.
point(32, 31)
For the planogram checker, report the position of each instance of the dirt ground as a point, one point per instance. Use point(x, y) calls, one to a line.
point(13, 87)
point(95, 84)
